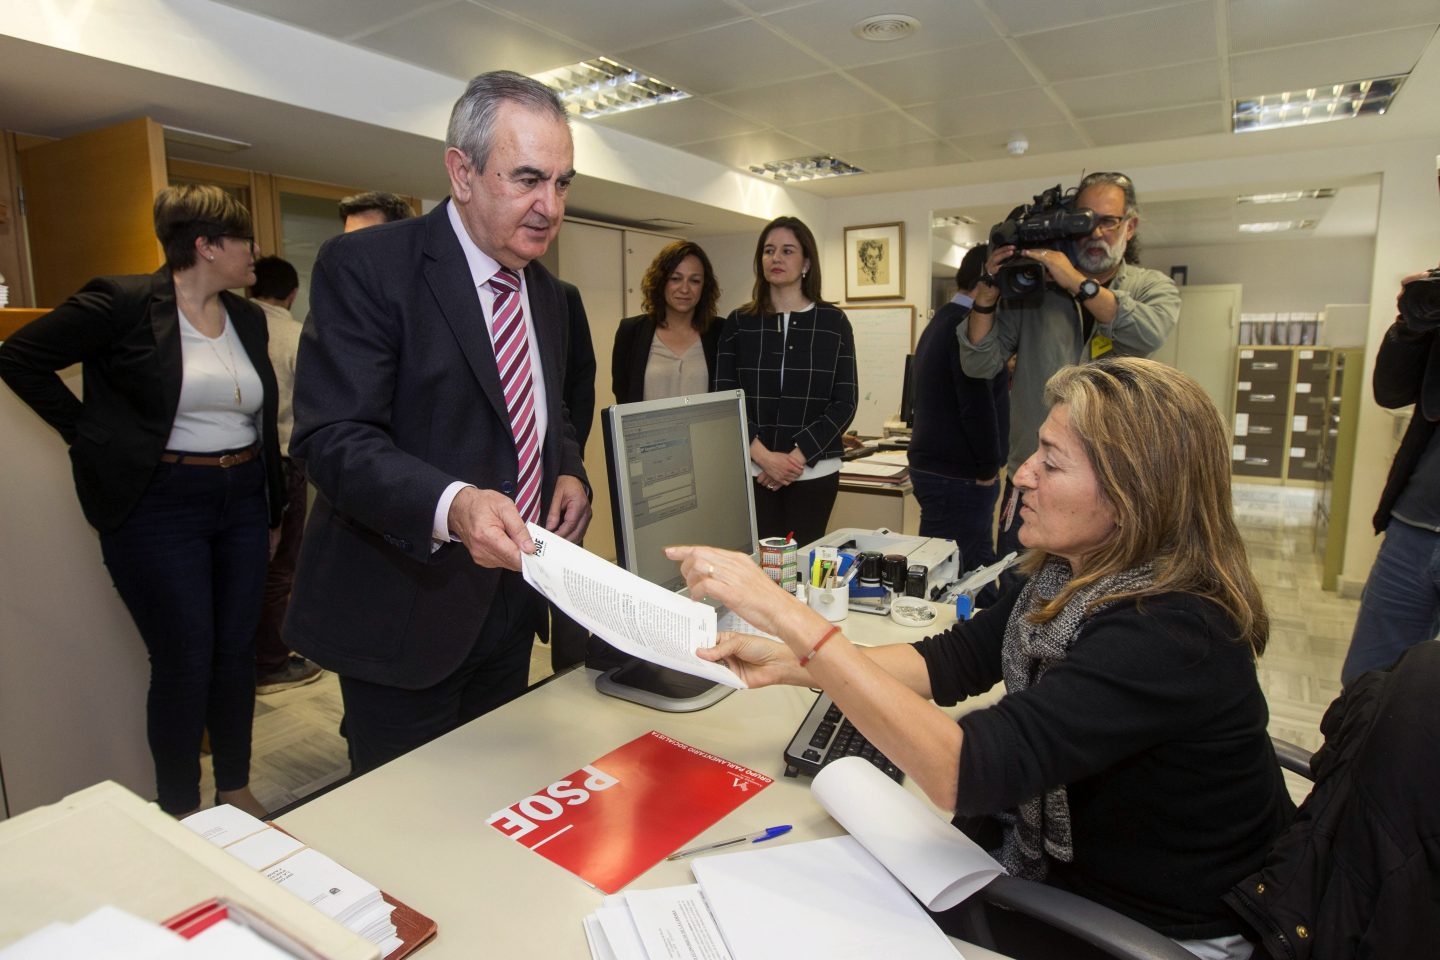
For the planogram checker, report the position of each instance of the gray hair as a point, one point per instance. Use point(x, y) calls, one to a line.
point(472, 121)
point(1132, 206)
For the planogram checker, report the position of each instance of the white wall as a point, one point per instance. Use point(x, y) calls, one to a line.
point(1278, 275)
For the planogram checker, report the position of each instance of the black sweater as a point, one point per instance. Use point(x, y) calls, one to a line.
point(962, 423)
point(1156, 722)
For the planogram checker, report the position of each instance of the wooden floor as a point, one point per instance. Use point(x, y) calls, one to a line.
point(297, 749)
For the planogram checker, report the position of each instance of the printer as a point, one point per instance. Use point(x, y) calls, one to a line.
point(940, 558)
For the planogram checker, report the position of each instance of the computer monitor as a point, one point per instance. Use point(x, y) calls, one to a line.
point(679, 473)
point(907, 392)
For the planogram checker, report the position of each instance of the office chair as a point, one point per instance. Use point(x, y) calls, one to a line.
point(1111, 932)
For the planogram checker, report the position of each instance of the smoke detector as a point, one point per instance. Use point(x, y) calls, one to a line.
point(885, 27)
point(1017, 146)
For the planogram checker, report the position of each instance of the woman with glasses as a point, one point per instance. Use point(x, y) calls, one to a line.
point(176, 464)
point(669, 350)
point(794, 356)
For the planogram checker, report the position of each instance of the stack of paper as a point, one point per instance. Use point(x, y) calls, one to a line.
point(852, 896)
point(307, 873)
point(886, 468)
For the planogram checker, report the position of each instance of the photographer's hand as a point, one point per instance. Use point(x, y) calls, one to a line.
point(987, 296)
point(1063, 272)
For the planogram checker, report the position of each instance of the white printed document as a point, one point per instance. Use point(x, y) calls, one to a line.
point(841, 898)
point(633, 615)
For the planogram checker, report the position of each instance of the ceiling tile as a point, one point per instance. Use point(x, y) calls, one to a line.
point(683, 121)
point(751, 148)
point(737, 55)
point(462, 40)
point(999, 112)
point(799, 101)
point(1052, 138)
point(1163, 87)
point(964, 72)
point(1331, 61)
point(825, 28)
point(1033, 16)
point(860, 132)
point(1137, 41)
point(1192, 121)
point(333, 18)
point(905, 156)
point(1259, 24)
point(644, 21)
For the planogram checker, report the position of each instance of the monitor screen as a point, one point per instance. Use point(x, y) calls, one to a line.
point(907, 392)
point(679, 473)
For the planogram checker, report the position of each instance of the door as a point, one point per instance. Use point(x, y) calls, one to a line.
point(88, 202)
point(1205, 340)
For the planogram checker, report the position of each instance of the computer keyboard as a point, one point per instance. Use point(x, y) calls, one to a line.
point(825, 735)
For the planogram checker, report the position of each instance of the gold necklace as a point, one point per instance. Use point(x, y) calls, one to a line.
point(232, 367)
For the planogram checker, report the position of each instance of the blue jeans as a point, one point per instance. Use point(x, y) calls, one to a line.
point(960, 510)
point(1401, 603)
point(189, 562)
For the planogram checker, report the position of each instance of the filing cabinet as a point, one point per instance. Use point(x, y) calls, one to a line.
point(1283, 413)
point(1263, 379)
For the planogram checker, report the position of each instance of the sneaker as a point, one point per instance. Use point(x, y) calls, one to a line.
point(296, 673)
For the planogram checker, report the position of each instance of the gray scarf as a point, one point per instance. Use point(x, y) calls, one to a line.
point(1039, 828)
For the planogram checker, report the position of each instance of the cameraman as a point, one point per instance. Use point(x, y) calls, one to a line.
point(1097, 301)
point(1401, 603)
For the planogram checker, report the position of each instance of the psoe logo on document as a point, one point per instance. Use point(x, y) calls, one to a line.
point(740, 783)
point(539, 546)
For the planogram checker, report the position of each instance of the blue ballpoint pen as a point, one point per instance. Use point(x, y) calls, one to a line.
point(760, 837)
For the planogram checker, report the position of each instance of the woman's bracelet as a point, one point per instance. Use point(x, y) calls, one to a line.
point(834, 629)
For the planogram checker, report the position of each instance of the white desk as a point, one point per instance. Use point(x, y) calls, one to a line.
point(416, 827)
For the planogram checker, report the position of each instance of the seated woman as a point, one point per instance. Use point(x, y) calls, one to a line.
point(1129, 760)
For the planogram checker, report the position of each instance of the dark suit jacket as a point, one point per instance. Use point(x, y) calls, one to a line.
point(126, 332)
point(632, 354)
point(579, 366)
point(396, 396)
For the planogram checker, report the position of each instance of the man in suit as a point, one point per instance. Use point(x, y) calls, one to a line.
point(428, 412)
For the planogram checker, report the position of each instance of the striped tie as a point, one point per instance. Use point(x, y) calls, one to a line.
point(512, 355)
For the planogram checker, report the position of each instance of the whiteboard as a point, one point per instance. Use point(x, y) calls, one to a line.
point(883, 337)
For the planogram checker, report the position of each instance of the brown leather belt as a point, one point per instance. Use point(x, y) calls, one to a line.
point(203, 460)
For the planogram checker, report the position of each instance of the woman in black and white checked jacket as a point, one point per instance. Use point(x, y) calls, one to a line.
point(794, 356)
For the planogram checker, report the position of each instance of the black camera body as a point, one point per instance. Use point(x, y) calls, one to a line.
point(1419, 302)
point(1047, 222)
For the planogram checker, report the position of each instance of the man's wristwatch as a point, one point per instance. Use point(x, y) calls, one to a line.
point(977, 308)
point(1089, 288)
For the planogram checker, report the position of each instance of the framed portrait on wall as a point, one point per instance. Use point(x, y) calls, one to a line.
point(875, 261)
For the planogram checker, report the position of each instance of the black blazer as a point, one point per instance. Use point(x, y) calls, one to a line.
point(397, 395)
point(126, 332)
point(632, 353)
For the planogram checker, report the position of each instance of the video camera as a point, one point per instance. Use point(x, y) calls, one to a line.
point(1419, 302)
point(1044, 223)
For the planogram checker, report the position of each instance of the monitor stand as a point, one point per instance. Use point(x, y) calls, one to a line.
point(660, 688)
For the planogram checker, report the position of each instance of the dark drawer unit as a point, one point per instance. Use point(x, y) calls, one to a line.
point(1303, 462)
point(1265, 399)
point(1249, 460)
point(1261, 427)
point(1313, 366)
point(1265, 366)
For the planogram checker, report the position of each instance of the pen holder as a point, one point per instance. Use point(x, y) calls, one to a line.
point(832, 603)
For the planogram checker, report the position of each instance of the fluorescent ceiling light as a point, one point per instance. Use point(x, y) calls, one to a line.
point(1275, 226)
point(804, 168)
point(1288, 196)
point(209, 141)
point(956, 220)
point(596, 88)
point(1340, 101)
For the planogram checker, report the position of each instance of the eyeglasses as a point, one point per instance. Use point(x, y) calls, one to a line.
point(1110, 224)
point(238, 236)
